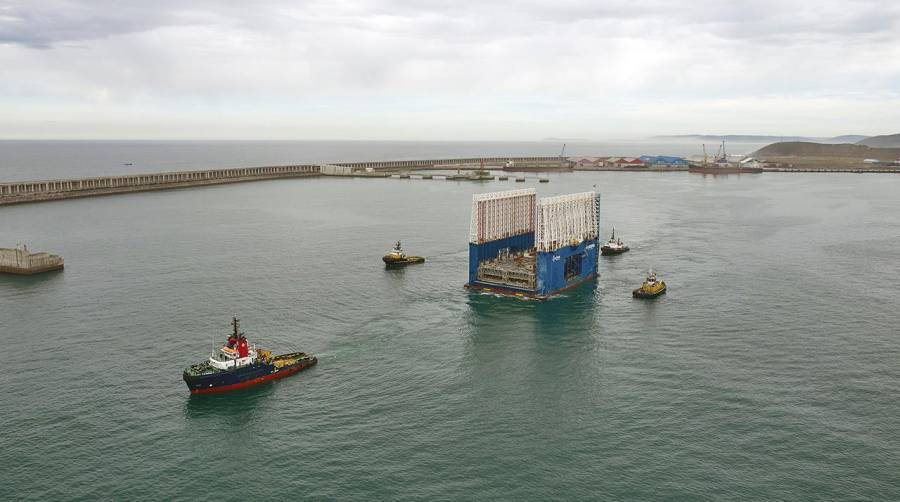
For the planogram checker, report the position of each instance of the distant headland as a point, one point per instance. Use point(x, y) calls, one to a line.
point(754, 138)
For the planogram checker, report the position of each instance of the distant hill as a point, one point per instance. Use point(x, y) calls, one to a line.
point(847, 138)
point(570, 140)
point(810, 149)
point(884, 141)
point(751, 138)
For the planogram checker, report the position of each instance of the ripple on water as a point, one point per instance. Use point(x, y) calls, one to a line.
point(768, 371)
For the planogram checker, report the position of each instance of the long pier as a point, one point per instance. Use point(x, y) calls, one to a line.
point(39, 191)
point(20, 192)
point(855, 170)
point(393, 165)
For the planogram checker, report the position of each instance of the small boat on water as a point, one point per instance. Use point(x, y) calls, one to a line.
point(651, 288)
point(237, 365)
point(613, 245)
point(397, 258)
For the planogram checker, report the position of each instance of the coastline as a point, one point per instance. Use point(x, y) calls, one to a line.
point(20, 192)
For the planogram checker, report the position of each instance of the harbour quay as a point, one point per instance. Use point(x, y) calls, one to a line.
point(549, 162)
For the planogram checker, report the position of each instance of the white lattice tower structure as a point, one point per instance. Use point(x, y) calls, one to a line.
point(498, 215)
point(565, 220)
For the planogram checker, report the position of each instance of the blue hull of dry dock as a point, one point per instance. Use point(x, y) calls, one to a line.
point(555, 271)
point(567, 267)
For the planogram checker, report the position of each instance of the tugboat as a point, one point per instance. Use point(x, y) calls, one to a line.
point(651, 288)
point(613, 245)
point(237, 364)
point(397, 258)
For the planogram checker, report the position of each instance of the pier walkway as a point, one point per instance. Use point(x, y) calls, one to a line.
point(38, 191)
point(871, 170)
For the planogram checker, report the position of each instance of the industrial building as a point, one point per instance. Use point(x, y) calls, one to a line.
point(524, 246)
point(663, 160)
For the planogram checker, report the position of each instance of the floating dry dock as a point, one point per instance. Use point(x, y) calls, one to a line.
point(21, 261)
point(520, 245)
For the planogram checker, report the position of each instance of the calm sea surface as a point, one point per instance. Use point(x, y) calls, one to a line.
point(770, 371)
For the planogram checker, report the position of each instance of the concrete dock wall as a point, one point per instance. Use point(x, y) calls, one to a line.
point(21, 261)
point(36, 191)
point(391, 165)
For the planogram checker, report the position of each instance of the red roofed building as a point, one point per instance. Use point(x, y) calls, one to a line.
point(625, 162)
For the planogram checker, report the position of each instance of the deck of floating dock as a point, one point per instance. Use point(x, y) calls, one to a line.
point(511, 270)
point(22, 262)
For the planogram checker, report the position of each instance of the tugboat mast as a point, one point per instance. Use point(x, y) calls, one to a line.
point(237, 325)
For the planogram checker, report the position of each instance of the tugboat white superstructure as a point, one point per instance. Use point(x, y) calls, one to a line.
point(613, 245)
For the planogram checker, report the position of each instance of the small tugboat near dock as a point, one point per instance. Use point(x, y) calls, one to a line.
point(614, 246)
point(237, 365)
point(397, 258)
point(651, 288)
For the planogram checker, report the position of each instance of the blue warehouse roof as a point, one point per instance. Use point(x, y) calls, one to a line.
point(663, 159)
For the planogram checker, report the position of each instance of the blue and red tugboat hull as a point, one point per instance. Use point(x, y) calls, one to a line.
point(248, 376)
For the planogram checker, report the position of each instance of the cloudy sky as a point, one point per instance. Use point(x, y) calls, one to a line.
point(439, 69)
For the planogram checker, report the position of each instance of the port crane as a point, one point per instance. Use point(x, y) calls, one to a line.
point(720, 154)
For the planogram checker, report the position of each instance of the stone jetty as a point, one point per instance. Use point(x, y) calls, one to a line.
point(23, 262)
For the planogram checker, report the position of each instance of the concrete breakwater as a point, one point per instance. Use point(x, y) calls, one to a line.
point(870, 170)
point(469, 163)
point(38, 191)
point(46, 190)
point(23, 262)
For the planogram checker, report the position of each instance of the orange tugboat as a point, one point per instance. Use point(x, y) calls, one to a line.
point(397, 258)
point(651, 288)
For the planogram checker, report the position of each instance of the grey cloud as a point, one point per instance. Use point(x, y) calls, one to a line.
point(270, 56)
point(43, 23)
